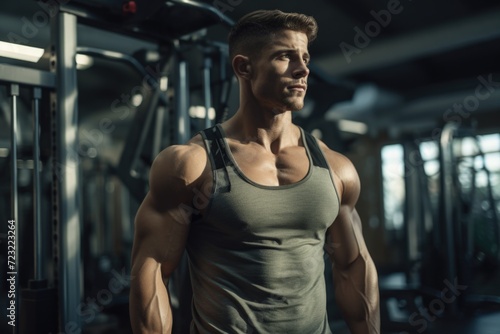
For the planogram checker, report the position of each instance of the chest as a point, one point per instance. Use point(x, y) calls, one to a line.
point(288, 166)
point(247, 211)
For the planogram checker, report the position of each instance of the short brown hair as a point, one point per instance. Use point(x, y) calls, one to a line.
point(252, 31)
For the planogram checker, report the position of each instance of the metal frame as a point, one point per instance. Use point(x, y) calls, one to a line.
point(206, 7)
point(61, 80)
point(27, 76)
point(207, 92)
point(39, 269)
point(182, 100)
point(14, 92)
point(125, 25)
point(448, 203)
point(412, 207)
point(65, 168)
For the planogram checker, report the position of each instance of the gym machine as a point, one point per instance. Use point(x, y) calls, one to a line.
point(470, 215)
point(28, 195)
point(452, 234)
point(51, 300)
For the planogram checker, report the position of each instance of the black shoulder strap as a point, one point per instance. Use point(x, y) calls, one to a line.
point(216, 149)
point(317, 155)
point(216, 152)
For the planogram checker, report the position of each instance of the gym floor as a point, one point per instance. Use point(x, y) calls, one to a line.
point(398, 303)
point(478, 324)
point(478, 313)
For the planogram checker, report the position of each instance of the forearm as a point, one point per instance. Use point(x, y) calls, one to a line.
point(150, 310)
point(357, 295)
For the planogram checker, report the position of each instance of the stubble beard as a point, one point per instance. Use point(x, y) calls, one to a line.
point(293, 103)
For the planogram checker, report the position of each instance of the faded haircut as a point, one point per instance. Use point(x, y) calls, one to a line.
point(252, 31)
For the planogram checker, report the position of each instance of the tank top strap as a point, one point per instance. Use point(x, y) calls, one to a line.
point(217, 153)
point(317, 156)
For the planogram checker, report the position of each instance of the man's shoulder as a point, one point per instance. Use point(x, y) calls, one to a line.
point(341, 166)
point(334, 158)
point(184, 163)
point(192, 151)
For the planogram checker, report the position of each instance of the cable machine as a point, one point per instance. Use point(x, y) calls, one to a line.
point(51, 300)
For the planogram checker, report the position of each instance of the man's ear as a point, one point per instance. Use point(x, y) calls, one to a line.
point(242, 67)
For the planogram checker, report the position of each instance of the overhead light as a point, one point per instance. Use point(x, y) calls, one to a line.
point(20, 52)
point(352, 126)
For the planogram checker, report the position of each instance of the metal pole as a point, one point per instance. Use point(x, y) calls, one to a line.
point(446, 142)
point(207, 64)
point(38, 300)
point(66, 169)
point(38, 237)
point(160, 116)
point(158, 130)
point(14, 92)
point(222, 111)
point(210, 9)
point(182, 101)
point(412, 208)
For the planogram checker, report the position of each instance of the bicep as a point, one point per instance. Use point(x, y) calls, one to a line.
point(160, 236)
point(344, 237)
point(161, 230)
point(162, 221)
point(344, 241)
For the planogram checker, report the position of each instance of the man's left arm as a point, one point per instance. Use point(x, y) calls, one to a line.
point(354, 273)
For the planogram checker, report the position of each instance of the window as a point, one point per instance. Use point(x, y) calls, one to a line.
point(478, 171)
point(393, 186)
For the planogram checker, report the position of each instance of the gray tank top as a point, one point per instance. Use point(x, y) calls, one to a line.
point(256, 257)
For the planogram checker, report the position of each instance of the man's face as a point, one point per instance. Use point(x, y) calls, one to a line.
point(279, 72)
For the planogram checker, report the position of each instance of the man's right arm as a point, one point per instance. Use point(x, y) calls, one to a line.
point(161, 230)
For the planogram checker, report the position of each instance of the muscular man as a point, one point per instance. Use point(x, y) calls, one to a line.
point(256, 201)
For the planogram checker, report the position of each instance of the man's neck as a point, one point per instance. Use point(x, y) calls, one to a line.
point(273, 129)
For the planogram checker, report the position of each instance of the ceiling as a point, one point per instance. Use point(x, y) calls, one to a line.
point(386, 63)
